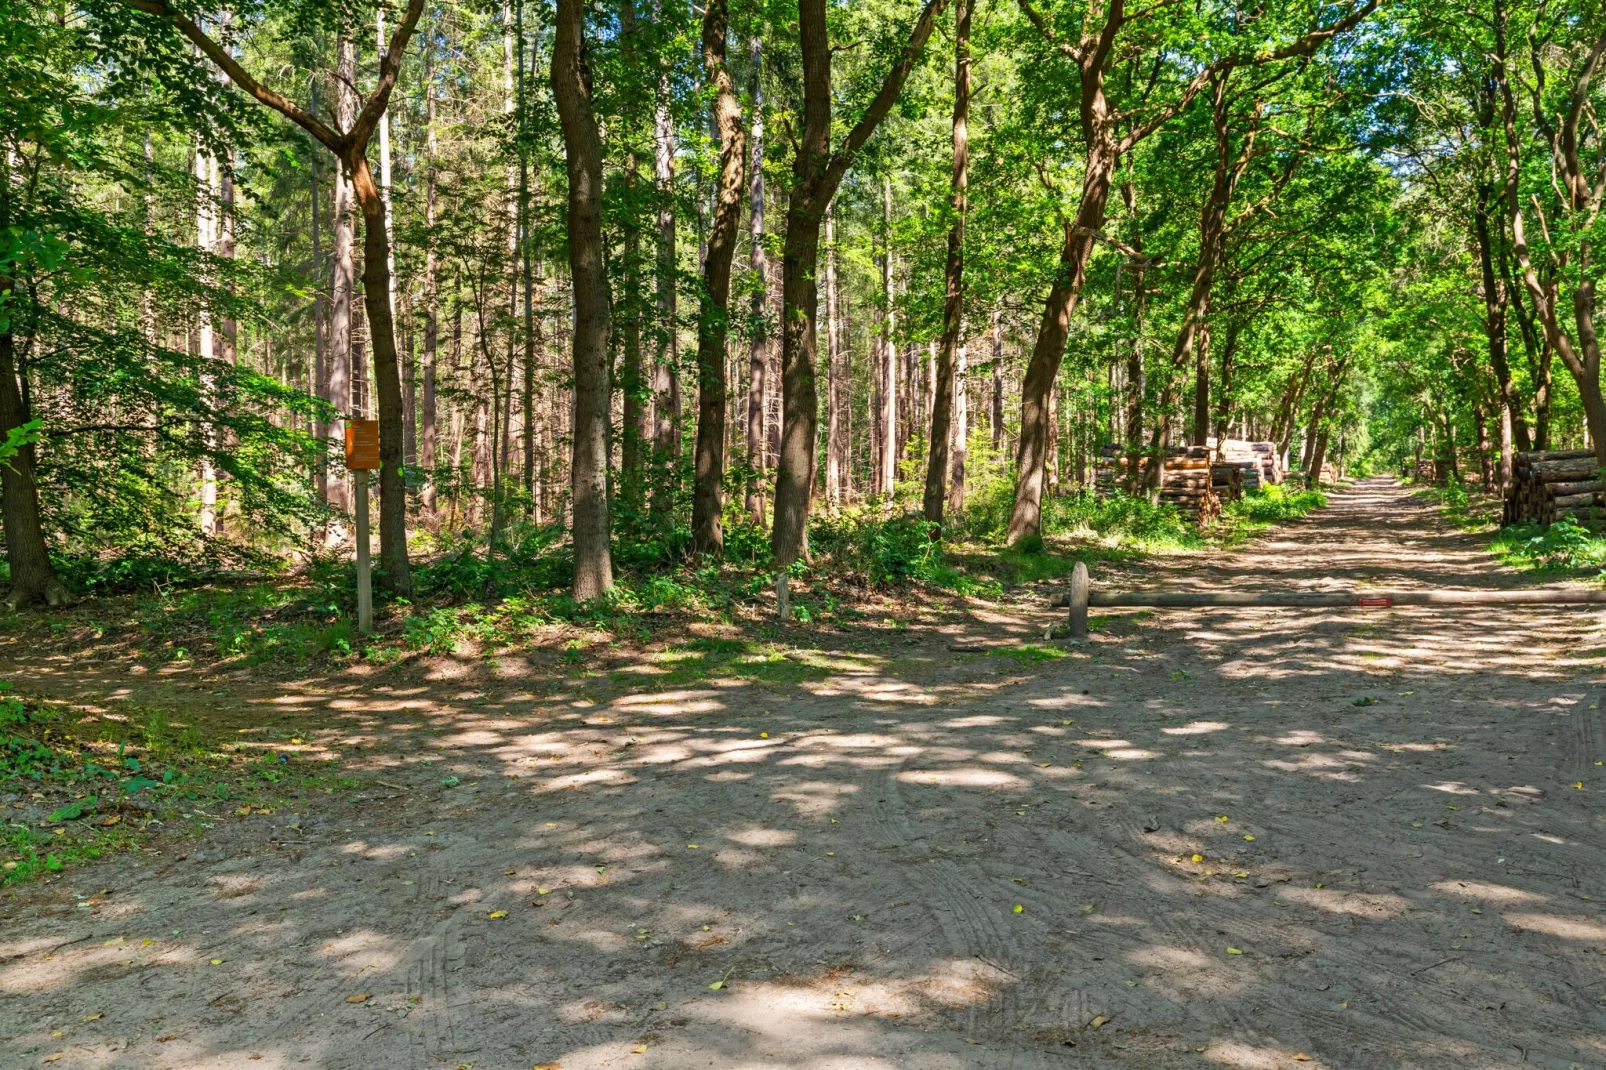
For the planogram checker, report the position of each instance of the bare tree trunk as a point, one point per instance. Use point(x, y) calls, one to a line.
point(526, 256)
point(571, 89)
point(998, 383)
point(206, 242)
point(666, 378)
point(816, 173)
point(713, 318)
point(1224, 399)
point(32, 578)
point(343, 277)
point(758, 360)
point(959, 449)
point(397, 574)
point(941, 484)
point(320, 337)
point(431, 292)
point(888, 369)
point(833, 365)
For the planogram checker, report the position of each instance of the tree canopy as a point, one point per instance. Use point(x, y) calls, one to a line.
point(626, 284)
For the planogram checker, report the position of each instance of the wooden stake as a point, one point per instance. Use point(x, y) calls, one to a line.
point(365, 589)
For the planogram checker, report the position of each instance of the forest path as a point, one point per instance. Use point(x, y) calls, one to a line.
point(922, 860)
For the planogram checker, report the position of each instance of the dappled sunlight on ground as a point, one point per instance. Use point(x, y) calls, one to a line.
point(1262, 838)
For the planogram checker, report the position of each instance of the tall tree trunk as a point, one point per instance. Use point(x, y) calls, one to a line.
point(376, 281)
point(1495, 303)
point(887, 369)
point(431, 291)
point(32, 578)
point(758, 359)
point(571, 89)
point(320, 326)
point(343, 277)
point(939, 479)
point(1136, 477)
point(1031, 455)
point(816, 173)
point(526, 257)
point(666, 377)
point(833, 366)
point(713, 316)
point(206, 200)
point(959, 430)
point(1224, 399)
point(998, 383)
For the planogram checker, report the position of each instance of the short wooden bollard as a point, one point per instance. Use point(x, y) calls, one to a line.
point(1082, 595)
point(1078, 600)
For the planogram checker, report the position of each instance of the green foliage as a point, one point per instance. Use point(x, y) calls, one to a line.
point(1565, 546)
point(1273, 503)
point(1122, 520)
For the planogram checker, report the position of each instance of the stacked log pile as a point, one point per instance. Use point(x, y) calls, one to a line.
point(1553, 485)
point(1256, 460)
point(1186, 480)
point(1230, 480)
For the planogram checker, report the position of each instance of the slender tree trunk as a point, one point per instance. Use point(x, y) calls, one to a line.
point(1136, 476)
point(206, 200)
point(1480, 428)
point(571, 89)
point(526, 257)
point(959, 430)
point(1224, 399)
point(833, 364)
point(941, 483)
point(998, 384)
point(431, 291)
point(1495, 303)
point(666, 378)
point(343, 277)
point(758, 360)
point(887, 364)
point(320, 332)
point(713, 319)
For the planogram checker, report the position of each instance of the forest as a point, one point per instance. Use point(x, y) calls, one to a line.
point(636, 291)
point(802, 534)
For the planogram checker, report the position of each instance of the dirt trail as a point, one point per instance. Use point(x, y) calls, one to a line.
point(935, 861)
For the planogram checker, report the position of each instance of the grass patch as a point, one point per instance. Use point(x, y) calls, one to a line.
point(80, 785)
point(1028, 653)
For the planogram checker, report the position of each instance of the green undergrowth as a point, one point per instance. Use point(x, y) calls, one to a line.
point(1464, 508)
point(1566, 548)
point(468, 602)
point(76, 785)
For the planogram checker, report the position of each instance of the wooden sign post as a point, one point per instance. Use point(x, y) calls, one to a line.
point(362, 457)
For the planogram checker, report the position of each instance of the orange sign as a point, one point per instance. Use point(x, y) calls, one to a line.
point(1374, 601)
point(362, 445)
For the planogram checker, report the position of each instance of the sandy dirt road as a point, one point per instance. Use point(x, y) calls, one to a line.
point(1256, 838)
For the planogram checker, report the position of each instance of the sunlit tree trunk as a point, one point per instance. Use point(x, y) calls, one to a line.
point(713, 316)
point(593, 562)
point(758, 358)
point(947, 420)
point(431, 293)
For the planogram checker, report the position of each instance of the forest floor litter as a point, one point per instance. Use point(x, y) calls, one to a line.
point(1245, 838)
